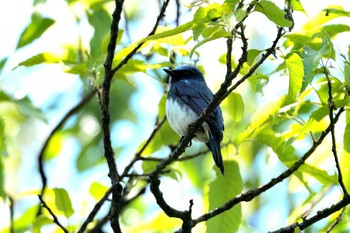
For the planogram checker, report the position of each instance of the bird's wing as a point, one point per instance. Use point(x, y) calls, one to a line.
point(197, 96)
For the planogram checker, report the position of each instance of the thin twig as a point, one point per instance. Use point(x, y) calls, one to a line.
point(94, 211)
point(317, 217)
point(251, 194)
point(12, 214)
point(71, 112)
point(55, 219)
point(337, 220)
point(138, 154)
point(332, 107)
point(127, 57)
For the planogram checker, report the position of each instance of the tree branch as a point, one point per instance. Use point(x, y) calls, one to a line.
point(127, 57)
point(332, 107)
point(104, 102)
point(251, 194)
point(317, 217)
point(47, 141)
point(94, 211)
point(55, 219)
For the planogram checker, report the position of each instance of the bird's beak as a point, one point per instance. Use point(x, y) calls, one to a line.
point(169, 72)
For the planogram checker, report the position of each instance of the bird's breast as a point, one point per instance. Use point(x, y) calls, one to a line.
point(180, 116)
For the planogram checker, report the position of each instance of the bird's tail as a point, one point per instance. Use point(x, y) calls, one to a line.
point(214, 146)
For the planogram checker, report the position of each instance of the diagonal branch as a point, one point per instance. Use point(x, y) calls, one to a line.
point(251, 194)
point(127, 57)
point(317, 217)
point(71, 112)
point(55, 219)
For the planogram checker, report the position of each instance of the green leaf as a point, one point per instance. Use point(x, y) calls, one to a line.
point(261, 119)
point(63, 202)
point(322, 18)
point(40, 58)
point(280, 145)
point(98, 190)
point(172, 32)
point(296, 73)
point(55, 146)
point(100, 21)
point(273, 13)
point(337, 10)
point(34, 30)
point(2, 63)
point(252, 54)
point(296, 5)
point(219, 34)
point(2, 177)
point(235, 106)
point(161, 107)
point(321, 175)
point(26, 219)
point(346, 138)
point(39, 222)
point(222, 189)
point(311, 60)
point(334, 29)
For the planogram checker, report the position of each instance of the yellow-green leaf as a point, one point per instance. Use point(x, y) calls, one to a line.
point(63, 202)
point(34, 30)
point(273, 13)
point(98, 190)
point(296, 73)
point(235, 106)
point(222, 189)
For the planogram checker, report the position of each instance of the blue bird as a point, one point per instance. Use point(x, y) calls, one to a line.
point(188, 96)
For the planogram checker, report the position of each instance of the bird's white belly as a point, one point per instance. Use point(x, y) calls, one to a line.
point(181, 116)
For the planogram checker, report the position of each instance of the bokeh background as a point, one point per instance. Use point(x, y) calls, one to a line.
point(36, 98)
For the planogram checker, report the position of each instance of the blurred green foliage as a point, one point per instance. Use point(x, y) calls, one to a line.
point(281, 130)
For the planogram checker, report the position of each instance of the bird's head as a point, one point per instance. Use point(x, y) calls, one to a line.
point(184, 72)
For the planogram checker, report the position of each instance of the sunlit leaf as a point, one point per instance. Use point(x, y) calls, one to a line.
point(252, 54)
point(100, 20)
point(311, 60)
point(55, 145)
point(149, 166)
point(26, 218)
point(282, 147)
point(39, 222)
point(222, 189)
point(296, 5)
point(273, 13)
point(98, 190)
point(172, 32)
point(155, 223)
point(35, 29)
point(2, 63)
point(2, 177)
point(321, 175)
point(235, 106)
point(345, 156)
point(28, 109)
point(63, 202)
point(346, 138)
point(161, 107)
point(322, 17)
point(261, 119)
point(296, 73)
point(334, 29)
point(40, 58)
point(217, 35)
